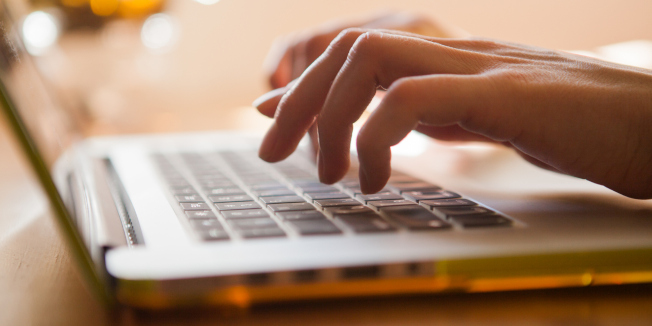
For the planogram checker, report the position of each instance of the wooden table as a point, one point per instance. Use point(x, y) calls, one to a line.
point(39, 283)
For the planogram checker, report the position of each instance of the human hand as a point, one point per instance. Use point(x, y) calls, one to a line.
point(568, 113)
point(292, 54)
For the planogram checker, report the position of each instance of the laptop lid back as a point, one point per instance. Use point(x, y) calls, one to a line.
point(42, 128)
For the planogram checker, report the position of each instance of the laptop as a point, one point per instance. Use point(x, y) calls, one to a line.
point(162, 221)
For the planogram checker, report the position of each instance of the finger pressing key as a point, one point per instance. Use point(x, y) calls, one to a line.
point(300, 106)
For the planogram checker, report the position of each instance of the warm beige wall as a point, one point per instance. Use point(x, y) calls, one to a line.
point(217, 64)
point(231, 37)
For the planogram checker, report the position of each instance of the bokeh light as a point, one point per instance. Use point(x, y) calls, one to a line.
point(40, 32)
point(104, 7)
point(208, 2)
point(159, 32)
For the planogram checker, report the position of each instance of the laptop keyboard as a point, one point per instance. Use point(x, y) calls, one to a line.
point(229, 195)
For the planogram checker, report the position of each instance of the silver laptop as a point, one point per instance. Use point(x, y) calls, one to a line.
point(197, 219)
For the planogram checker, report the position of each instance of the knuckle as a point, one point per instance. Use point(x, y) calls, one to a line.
point(365, 49)
point(402, 91)
point(348, 35)
point(344, 39)
point(366, 42)
point(485, 44)
point(515, 77)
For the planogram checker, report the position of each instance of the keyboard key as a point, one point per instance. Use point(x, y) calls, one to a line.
point(253, 223)
point(225, 191)
point(420, 195)
point(418, 225)
point(337, 202)
point(200, 214)
point(413, 186)
point(249, 213)
point(213, 235)
point(290, 207)
point(348, 210)
point(194, 206)
point(261, 233)
point(413, 211)
point(447, 212)
point(414, 217)
point(189, 199)
point(184, 191)
point(230, 199)
point(238, 205)
point(282, 199)
point(387, 203)
point(267, 186)
point(301, 215)
point(327, 195)
point(315, 227)
point(275, 192)
point(299, 176)
point(447, 202)
point(489, 220)
point(350, 184)
point(317, 188)
point(206, 224)
point(366, 223)
point(367, 198)
point(307, 182)
point(358, 191)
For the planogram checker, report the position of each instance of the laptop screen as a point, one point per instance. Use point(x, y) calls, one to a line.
point(51, 128)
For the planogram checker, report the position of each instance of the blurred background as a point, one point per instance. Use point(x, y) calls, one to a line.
point(132, 66)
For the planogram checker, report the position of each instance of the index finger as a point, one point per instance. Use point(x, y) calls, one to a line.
point(300, 106)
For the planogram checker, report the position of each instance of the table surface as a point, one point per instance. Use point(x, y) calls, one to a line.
point(39, 282)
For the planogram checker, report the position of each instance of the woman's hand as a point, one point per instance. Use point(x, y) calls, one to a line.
point(569, 113)
point(292, 54)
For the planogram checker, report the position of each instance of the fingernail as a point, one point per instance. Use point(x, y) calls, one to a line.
point(364, 182)
point(269, 95)
point(268, 147)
